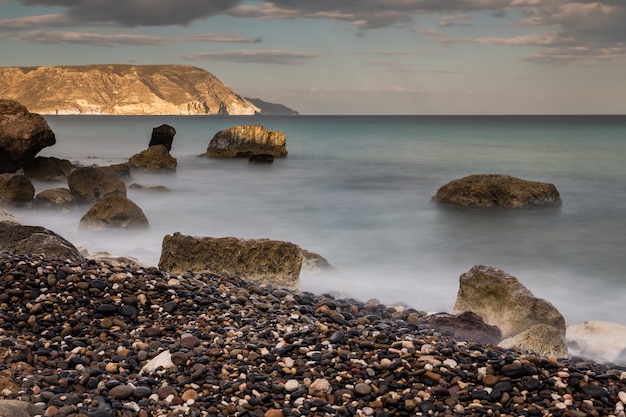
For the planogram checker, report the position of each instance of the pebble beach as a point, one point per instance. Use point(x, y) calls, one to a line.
point(92, 339)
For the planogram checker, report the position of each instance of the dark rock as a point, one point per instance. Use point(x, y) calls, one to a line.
point(47, 169)
point(261, 158)
point(163, 135)
point(36, 239)
point(595, 391)
point(91, 184)
point(466, 325)
point(243, 141)
point(154, 159)
point(16, 190)
point(114, 211)
point(55, 198)
point(121, 171)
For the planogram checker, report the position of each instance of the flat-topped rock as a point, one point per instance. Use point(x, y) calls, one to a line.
point(243, 141)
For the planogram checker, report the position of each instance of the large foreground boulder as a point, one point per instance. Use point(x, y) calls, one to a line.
point(263, 260)
point(501, 300)
point(48, 169)
point(541, 339)
point(16, 191)
point(91, 184)
point(243, 141)
point(598, 340)
point(114, 211)
point(163, 135)
point(487, 191)
point(36, 240)
point(22, 135)
point(156, 159)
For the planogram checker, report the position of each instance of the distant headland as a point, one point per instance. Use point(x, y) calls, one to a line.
point(112, 89)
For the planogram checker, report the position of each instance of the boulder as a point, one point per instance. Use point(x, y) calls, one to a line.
point(155, 158)
point(163, 135)
point(243, 141)
point(261, 158)
point(36, 240)
point(501, 300)
point(313, 262)
point(467, 326)
point(22, 135)
point(16, 190)
point(489, 191)
point(18, 408)
point(598, 340)
point(121, 171)
point(91, 184)
point(47, 169)
point(541, 339)
point(261, 260)
point(55, 198)
point(114, 211)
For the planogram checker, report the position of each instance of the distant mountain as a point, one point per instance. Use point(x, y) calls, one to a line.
point(272, 109)
point(122, 90)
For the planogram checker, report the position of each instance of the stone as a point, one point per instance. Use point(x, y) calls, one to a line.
point(599, 340)
point(114, 211)
point(60, 199)
point(320, 388)
point(488, 191)
point(162, 360)
point(36, 239)
point(154, 159)
point(121, 392)
point(155, 188)
point(121, 171)
point(91, 184)
point(48, 169)
point(502, 301)
point(243, 141)
point(262, 260)
point(541, 339)
point(163, 135)
point(466, 325)
point(17, 408)
point(314, 263)
point(16, 190)
point(261, 158)
point(8, 217)
point(22, 135)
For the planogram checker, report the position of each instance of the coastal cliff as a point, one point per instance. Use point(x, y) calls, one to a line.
point(122, 90)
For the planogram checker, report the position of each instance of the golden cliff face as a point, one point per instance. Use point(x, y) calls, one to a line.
point(121, 90)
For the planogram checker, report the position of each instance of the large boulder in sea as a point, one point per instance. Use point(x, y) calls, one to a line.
point(36, 240)
point(114, 211)
point(16, 190)
point(22, 135)
point(243, 141)
point(48, 169)
point(541, 339)
point(261, 260)
point(91, 184)
point(60, 199)
point(492, 190)
point(163, 135)
point(501, 300)
point(154, 159)
point(599, 340)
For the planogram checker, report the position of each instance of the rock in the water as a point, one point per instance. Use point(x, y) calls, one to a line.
point(163, 135)
point(154, 188)
point(16, 190)
point(501, 300)
point(114, 211)
point(155, 158)
point(541, 339)
point(466, 325)
point(599, 340)
point(36, 239)
point(121, 171)
point(243, 141)
point(264, 260)
point(91, 184)
point(48, 169)
point(261, 158)
point(55, 198)
point(486, 190)
point(22, 135)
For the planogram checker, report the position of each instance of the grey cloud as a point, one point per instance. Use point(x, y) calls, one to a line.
point(255, 56)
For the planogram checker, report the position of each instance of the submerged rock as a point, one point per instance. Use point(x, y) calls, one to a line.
point(599, 340)
point(156, 158)
point(243, 141)
point(91, 184)
point(55, 198)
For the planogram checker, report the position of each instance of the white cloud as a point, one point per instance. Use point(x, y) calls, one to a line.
point(256, 56)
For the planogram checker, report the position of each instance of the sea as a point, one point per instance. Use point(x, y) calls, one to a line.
point(358, 191)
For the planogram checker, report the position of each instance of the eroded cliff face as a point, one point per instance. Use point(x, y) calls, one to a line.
point(121, 90)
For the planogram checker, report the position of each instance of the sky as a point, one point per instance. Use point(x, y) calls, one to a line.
point(350, 56)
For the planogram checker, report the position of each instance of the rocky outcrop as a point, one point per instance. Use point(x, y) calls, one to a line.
point(16, 190)
point(121, 89)
point(315, 263)
point(22, 135)
point(163, 135)
point(60, 199)
point(466, 326)
point(269, 261)
point(48, 169)
point(155, 159)
point(36, 240)
point(598, 340)
point(272, 109)
point(501, 300)
point(541, 339)
point(243, 141)
point(114, 211)
point(90, 184)
point(487, 191)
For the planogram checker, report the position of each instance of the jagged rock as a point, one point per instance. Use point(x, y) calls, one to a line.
point(262, 260)
point(91, 184)
point(158, 188)
point(163, 135)
point(18, 408)
point(466, 325)
point(114, 211)
point(313, 262)
point(541, 339)
point(16, 190)
point(598, 340)
point(501, 300)
point(22, 135)
point(36, 240)
point(485, 190)
point(243, 141)
point(155, 158)
point(121, 171)
point(55, 198)
point(48, 169)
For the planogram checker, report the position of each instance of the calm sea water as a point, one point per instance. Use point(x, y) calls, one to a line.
point(358, 190)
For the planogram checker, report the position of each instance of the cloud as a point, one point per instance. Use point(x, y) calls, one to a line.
point(255, 56)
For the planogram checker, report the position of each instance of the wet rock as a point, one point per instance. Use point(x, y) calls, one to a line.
point(60, 199)
point(163, 135)
point(243, 141)
point(601, 340)
point(154, 159)
point(114, 211)
point(91, 184)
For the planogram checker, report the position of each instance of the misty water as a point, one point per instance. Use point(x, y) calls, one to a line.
point(357, 190)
